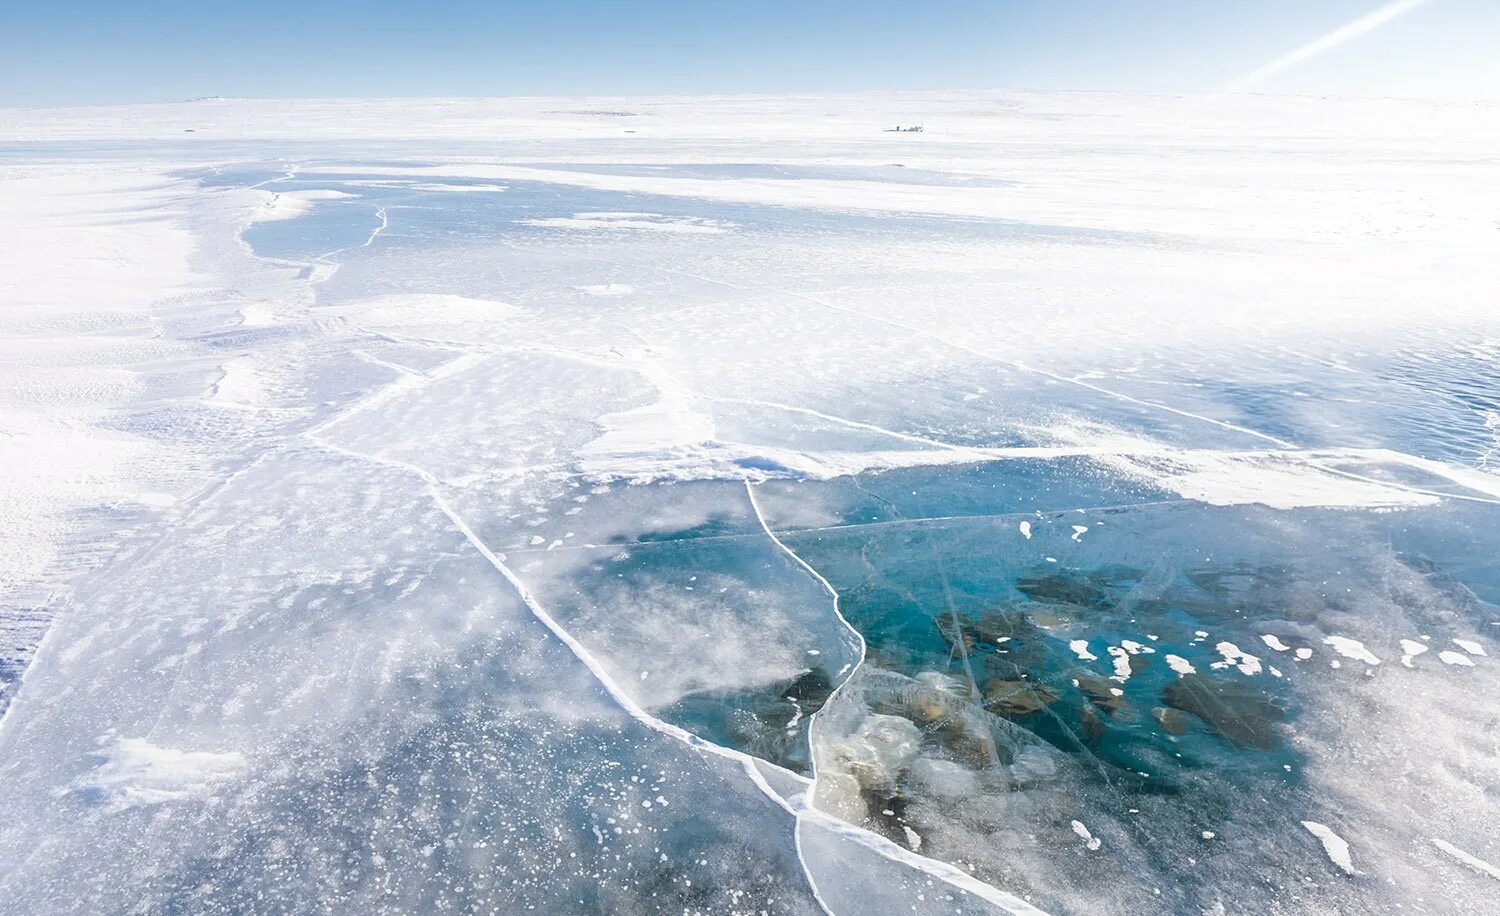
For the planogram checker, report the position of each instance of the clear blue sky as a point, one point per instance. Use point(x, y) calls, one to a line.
point(86, 51)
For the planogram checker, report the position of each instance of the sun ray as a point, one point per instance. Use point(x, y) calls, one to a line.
point(1367, 23)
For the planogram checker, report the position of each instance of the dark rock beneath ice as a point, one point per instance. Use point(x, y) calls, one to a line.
point(1234, 711)
point(887, 814)
point(1106, 694)
point(810, 690)
point(1000, 625)
point(922, 703)
point(1017, 698)
point(960, 634)
point(965, 746)
point(1172, 721)
point(1064, 588)
point(1096, 589)
point(1101, 691)
point(1090, 726)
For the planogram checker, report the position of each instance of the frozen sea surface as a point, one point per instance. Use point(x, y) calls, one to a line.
point(1088, 505)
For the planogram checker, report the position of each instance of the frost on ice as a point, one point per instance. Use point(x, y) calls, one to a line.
point(134, 772)
point(692, 519)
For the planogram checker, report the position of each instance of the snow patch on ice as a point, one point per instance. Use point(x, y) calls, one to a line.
point(1450, 657)
point(241, 385)
point(636, 222)
point(1333, 844)
point(135, 772)
point(1411, 649)
point(1230, 480)
point(667, 434)
point(1089, 840)
point(1351, 648)
point(409, 310)
point(1472, 861)
point(1180, 665)
point(74, 241)
point(662, 442)
point(282, 205)
point(1289, 479)
point(459, 188)
point(257, 316)
point(1233, 655)
point(606, 290)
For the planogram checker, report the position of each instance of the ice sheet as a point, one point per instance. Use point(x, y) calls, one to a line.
point(725, 505)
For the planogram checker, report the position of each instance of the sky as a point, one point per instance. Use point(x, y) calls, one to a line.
point(63, 52)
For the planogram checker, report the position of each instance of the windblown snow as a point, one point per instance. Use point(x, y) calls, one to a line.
point(729, 504)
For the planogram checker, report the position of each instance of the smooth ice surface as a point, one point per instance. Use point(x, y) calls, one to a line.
point(1086, 505)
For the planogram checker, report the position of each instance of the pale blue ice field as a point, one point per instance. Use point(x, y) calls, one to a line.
point(726, 534)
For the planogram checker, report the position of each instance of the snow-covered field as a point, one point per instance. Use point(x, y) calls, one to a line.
point(1087, 503)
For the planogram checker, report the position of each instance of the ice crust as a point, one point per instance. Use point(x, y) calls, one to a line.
point(596, 523)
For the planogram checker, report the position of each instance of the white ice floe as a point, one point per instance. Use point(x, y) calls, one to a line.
point(1089, 840)
point(1179, 664)
point(1470, 646)
point(1274, 642)
point(1351, 648)
point(1410, 649)
point(1472, 861)
point(1333, 844)
point(913, 839)
point(1450, 657)
point(1236, 657)
point(1080, 648)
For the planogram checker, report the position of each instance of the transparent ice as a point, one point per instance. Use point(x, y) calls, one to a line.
point(647, 540)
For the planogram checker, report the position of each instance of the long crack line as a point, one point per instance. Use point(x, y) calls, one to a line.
point(933, 867)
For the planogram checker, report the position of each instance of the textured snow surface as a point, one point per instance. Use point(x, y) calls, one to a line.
point(135, 772)
point(725, 505)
